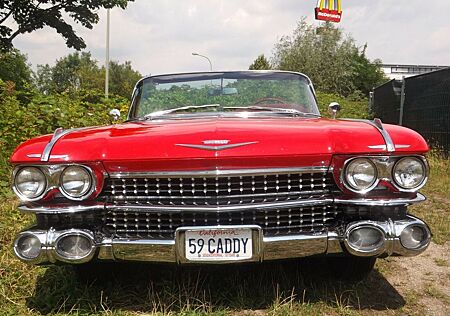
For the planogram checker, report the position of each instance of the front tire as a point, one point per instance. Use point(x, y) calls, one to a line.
point(351, 268)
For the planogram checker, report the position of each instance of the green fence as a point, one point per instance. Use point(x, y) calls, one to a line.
point(424, 107)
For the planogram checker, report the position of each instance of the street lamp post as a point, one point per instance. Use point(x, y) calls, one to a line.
point(107, 55)
point(209, 60)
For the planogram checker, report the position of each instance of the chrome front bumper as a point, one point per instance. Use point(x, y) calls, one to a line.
point(265, 248)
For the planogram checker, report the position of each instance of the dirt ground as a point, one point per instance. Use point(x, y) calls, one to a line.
point(423, 281)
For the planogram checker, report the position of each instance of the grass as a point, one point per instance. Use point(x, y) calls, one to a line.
point(288, 288)
point(436, 210)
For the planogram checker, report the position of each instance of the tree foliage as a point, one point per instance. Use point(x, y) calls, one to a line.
point(14, 68)
point(332, 60)
point(260, 63)
point(122, 78)
point(31, 15)
point(79, 71)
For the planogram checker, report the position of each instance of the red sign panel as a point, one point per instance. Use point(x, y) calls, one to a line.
point(329, 10)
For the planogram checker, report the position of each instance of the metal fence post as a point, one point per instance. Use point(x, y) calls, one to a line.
point(402, 102)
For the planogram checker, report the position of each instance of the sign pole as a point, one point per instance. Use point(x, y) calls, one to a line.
point(107, 54)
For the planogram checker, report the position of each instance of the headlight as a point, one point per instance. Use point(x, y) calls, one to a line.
point(361, 175)
point(28, 247)
point(409, 173)
point(413, 237)
point(74, 246)
point(76, 182)
point(30, 183)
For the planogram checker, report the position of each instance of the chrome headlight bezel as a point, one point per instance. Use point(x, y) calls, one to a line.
point(52, 173)
point(86, 193)
point(22, 196)
point(424, 180)
point(349, 186)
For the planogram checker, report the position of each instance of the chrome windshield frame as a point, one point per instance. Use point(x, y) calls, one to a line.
point(132, 117)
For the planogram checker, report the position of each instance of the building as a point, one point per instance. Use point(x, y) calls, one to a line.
point(395, 71)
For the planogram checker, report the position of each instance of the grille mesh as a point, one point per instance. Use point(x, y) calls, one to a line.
point(274, 222)
point(218, 191)
point(182, 194)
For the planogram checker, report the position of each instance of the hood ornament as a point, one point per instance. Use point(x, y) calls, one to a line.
point(216, 144)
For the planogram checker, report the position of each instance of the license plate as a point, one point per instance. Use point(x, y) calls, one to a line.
point(218, 244)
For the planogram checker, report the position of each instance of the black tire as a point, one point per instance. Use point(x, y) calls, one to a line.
point(351, 268)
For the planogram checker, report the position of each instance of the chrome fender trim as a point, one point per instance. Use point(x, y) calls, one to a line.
point(57, 135)
point(390, 146)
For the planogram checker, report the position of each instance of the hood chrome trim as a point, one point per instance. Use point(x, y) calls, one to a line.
point(215, 148)
point(390, 147)
point(57, 135)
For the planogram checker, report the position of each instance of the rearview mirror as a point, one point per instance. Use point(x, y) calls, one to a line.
point(334, 109)
point(115, 114)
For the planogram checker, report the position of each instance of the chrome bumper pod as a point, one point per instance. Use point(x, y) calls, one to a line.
point(407, 237)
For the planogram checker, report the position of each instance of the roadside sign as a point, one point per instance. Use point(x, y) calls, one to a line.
point(329, 10)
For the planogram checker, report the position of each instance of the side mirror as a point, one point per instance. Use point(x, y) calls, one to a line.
point(334, 109)
point(115, 114)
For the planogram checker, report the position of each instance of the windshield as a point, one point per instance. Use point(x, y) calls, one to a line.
point(280, 93)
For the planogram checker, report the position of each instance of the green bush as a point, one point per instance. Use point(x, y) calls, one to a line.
point(45, 113)
point(351, 107)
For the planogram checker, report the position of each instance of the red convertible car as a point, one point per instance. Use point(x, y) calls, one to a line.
point(223, 167)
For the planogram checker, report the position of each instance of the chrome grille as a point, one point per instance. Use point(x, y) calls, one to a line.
point(217, 191)
point(286, 221)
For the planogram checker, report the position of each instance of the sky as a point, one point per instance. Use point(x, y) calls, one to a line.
point(159, 36)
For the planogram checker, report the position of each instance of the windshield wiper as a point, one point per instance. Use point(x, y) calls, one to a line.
point(183, 108)
point(272, 109)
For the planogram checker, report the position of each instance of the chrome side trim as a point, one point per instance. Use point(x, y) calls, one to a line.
point(384, 147)
point(216, 148)
point(57, 135)
point(219, 172)
point(390, 147)
point(34, 155)
point(377, 202)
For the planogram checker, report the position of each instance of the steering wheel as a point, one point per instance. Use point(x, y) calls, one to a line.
point(271, 100)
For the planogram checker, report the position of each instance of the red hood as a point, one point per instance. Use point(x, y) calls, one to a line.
point(278, 142)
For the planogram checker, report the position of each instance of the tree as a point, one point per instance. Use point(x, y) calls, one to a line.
point(333, 61)
point(70, 73)
point(79, 71)
point(367, 74)
point(122, 78)
point(260, 63)
point(31, 15)
point(14, 68)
